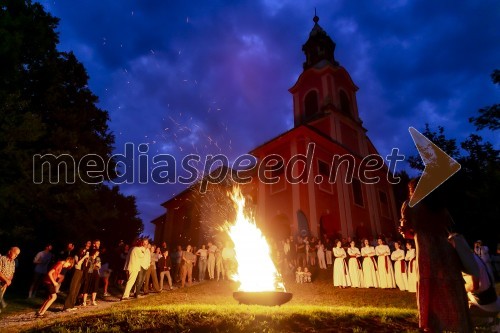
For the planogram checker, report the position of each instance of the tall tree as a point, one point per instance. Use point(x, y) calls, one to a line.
point(47, 108)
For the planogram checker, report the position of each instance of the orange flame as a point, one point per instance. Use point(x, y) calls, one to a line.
point(256, 270)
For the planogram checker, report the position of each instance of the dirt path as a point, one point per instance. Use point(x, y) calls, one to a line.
point(20, 321)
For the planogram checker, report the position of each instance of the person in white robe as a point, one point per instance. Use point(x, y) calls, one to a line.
point(385, 269)
point(321, 255)
point(355, 268)
point(411, 267)
point(370, 276)
point(340, 271)
point(398, 256)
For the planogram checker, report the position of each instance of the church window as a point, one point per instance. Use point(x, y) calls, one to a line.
point(324, 169)
point(344, 103)
point(311, 104)
point(384, 204)
point(278, 170)
point(357, 192)
point(349, 137)
point(324, 172)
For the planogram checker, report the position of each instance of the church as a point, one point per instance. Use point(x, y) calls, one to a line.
point(326, 115)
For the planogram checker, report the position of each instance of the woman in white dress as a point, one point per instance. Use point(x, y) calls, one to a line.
point(321, 255)
point(385, 269)
point(370, 276)
point(355, 268)
point(340, 272)
point(398, 256)
point(412, 267)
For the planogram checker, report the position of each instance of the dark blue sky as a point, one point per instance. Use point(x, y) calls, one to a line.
point(212, 76)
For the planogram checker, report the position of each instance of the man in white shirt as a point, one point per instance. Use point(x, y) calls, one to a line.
point(7, 269)
point(145, 262)
point(211, 260)
point(133, 265)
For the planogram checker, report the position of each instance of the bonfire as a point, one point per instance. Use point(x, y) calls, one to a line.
point(259, 280)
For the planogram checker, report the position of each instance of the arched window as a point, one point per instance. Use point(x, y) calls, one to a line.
point(311, 104)
point(303, 225)
point(345, 105)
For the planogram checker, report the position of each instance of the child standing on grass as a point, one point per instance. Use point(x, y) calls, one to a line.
point(50, 282)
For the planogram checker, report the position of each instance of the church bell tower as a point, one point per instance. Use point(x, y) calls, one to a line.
point(324, 95)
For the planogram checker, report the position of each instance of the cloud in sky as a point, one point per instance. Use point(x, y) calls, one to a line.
point(212, 76)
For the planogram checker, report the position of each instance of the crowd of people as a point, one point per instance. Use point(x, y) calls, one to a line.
point(136, 270)
point(372, 265)
point(143, 268)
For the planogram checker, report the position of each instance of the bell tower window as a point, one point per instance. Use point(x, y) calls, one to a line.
point(345, 104)
point(311, 104)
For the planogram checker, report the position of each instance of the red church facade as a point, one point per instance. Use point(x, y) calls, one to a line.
point(325, 114)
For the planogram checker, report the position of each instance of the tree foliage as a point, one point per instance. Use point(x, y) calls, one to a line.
point(46, 107)
point(472, 193)
point(489, 117)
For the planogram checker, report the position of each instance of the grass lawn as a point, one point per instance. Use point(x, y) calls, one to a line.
point(210, 307)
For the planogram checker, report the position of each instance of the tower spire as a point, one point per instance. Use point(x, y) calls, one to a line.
point(319, 46)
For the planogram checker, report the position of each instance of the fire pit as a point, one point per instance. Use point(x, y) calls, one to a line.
point(268, 298)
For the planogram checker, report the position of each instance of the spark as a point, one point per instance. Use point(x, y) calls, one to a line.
point(172, 119)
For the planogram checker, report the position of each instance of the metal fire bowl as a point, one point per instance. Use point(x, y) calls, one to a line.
point(268, 298)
